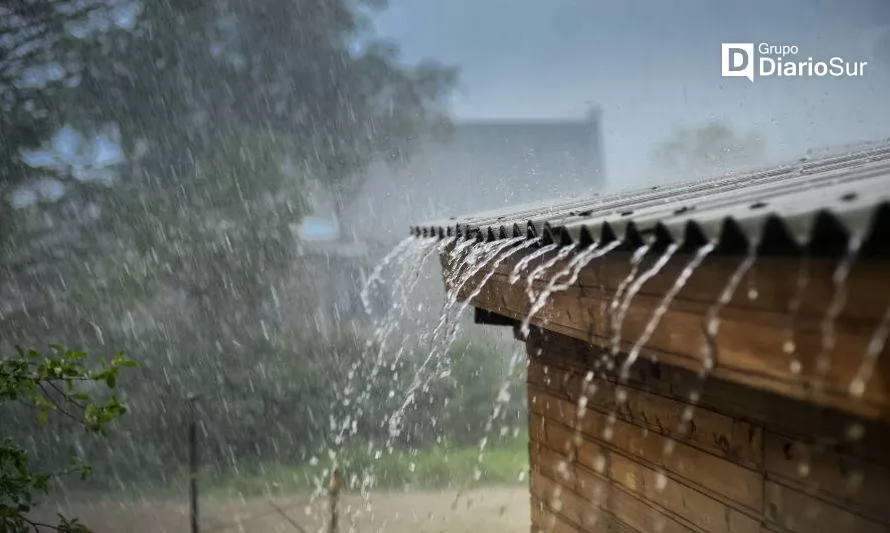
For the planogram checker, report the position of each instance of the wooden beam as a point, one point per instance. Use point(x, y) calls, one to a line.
point(484, 316)
point(770, 312)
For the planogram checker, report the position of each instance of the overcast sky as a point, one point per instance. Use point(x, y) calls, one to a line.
point(653, 65)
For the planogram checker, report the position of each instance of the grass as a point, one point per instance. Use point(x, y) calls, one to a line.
point(433, 468)
point(504, 462)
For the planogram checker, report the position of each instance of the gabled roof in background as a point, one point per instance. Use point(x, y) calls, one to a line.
point(813, 204)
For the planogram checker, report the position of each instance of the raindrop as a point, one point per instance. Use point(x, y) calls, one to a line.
point(661, 481)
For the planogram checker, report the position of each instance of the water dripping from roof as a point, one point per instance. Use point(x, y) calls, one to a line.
point(869, 360)
point(662, 308)
point(376, 274)
point(521, 265)
point(633, 290)
point(573, 270)
point(789, 347)
point(712, 318)
point(709, 347)
point(835, 307)
point(542, 269)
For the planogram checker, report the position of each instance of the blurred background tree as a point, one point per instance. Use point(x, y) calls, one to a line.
point(154, 157)
point(692, 152)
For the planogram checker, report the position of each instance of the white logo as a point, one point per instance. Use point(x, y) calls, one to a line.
point(738, 60)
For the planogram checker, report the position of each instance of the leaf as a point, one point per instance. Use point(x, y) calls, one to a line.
point(41, 417)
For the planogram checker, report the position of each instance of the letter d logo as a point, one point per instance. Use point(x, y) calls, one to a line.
point(738, 60)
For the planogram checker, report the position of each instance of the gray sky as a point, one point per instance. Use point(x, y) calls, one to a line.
point(653, 65)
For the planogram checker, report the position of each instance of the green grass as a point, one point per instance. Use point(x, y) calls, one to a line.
point(504, 462)
point(432, 468)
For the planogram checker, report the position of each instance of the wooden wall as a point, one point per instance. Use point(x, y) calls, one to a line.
point(749, 461)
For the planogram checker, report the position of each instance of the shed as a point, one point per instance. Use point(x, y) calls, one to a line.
point(712, 354)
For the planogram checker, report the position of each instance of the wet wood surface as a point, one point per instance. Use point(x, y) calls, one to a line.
point(772, 333)
point(604, 465)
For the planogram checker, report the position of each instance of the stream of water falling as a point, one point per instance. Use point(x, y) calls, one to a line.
point(523, 263)
point(870, 359)
point(835, 307)
point(662, 308)
point(709, 347)
point(408, 268)
point(573, 270)
point(403, 287)
point(543, 268)
point(501, 251)
point(377, 273)
point(712, 318)
point(409, 258)
point(789, 347)
point(632, 291)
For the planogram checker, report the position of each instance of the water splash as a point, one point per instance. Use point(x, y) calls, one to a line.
point(635, 261)
point(875, 347)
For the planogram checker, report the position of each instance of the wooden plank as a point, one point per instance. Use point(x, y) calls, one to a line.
point(779, 414)
point(796, 511)
point(774, 280)
point(564, 502)
point(634, 512)
point(546, 521)
point(696, 507)
point(733, 439)
point(642, 481)
point(712, 474)
point(849, 481)
point(750, 352)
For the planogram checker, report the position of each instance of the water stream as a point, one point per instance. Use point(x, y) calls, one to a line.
point(632, 291)
point(662, 308)
point(712, 318)
point(573, 270)
point(376, 274)
point(835, 307)
point(543, 268)
point(869, 360)
point(522, 264)
point(789, 347)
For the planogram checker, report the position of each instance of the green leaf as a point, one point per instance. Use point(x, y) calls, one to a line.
point(41, 417)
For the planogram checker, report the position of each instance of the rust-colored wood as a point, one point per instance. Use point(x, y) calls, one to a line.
point(753, 333)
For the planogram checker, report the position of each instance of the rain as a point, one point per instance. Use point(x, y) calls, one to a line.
point(392, 266)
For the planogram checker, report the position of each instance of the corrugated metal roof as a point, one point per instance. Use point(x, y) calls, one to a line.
point(813, 203)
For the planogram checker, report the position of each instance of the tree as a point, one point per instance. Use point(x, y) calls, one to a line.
point(59, 383)
point(224, 112)
point(695, 151)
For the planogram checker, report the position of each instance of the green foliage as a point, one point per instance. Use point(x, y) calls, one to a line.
point(58, 382)
point(227, 114)
point(430, 467)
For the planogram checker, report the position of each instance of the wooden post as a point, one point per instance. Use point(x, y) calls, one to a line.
point(334, 495)
point(193, 465)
